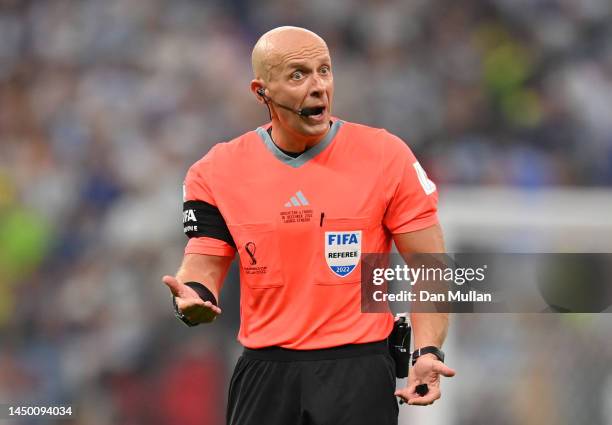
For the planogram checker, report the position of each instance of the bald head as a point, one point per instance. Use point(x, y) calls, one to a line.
point(282, 44)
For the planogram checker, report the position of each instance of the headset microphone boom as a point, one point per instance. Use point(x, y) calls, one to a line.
point(302, 112)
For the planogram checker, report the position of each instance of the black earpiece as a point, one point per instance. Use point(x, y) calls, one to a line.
point(261, 91)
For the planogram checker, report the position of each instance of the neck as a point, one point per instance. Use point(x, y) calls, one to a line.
point(291, 141)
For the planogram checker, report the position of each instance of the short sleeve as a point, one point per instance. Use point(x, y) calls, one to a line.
point(209, 246)
point(196, 186)
point(412, 198)
point(203, 222)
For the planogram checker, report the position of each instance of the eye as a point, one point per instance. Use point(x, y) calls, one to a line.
point(325, 70)
point(297, 75)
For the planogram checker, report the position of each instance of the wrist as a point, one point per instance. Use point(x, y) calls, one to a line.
point(430, 351)
point(425, 356)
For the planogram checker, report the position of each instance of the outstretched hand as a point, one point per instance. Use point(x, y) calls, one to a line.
point(427, 370)
point(189, 302)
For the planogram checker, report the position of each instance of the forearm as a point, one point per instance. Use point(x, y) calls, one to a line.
point(208, 270)
point(429, 328)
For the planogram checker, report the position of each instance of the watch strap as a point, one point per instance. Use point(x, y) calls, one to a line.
point(179, 315)
point(205, 295)
point(203, 292)
point(430, 349)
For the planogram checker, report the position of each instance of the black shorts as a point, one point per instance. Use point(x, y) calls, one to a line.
point(352, 384)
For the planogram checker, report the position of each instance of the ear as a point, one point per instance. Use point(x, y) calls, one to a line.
point(258, 88)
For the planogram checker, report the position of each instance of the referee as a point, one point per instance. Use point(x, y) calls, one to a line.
point(300, 199)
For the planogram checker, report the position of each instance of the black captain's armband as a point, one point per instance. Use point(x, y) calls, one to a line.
point(203, 219)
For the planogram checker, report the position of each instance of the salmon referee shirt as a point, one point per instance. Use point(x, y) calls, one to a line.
point(300, 225)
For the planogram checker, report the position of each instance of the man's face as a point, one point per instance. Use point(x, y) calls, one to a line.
point(302, 78)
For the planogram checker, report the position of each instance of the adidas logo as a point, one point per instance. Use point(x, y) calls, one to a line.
point(298, 200)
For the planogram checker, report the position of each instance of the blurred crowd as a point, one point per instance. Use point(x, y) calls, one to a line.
point(105, 104)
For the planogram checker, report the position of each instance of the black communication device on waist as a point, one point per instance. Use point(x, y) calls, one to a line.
point(399, 346)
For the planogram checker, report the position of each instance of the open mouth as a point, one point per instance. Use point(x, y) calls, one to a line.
point(313, 112)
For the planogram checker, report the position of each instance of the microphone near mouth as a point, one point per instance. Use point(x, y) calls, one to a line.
point(302, 112)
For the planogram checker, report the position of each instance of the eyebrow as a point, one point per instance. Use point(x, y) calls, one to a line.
point(296, 64)
point(300, 64)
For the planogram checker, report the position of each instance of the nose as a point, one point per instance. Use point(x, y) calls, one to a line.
point(317, 88)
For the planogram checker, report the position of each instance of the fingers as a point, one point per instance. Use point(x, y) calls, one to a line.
point(426, 372)
point(190, 304)
point(443, 370)
point(173, 284)
point(198, 311)
point(407, 393)
point(403, 394)
point(193, 305)
point(213, 307)
point(410, 396)
point(433, 395)
point(185, 305)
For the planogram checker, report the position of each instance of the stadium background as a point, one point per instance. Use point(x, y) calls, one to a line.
point(104, 105)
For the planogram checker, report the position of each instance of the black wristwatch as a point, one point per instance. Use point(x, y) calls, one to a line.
point(204, 294)
point(430, 349)
point(180, 315)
